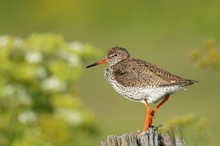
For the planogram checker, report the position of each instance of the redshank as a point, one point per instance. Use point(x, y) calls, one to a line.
point(140, 81)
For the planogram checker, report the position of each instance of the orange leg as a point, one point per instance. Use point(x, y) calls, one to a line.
point(146, 124)
point(156, 108)
point(150, 114)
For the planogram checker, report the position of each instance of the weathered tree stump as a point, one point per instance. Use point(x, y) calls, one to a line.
point(154, 136)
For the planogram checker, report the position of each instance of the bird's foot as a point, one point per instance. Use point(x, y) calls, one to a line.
point(138, 133)
point(130, 132)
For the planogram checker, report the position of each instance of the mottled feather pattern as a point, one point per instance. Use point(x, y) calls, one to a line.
point(139, 80)
point(133, 72)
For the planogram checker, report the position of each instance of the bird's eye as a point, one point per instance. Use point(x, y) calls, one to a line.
point(113, 55)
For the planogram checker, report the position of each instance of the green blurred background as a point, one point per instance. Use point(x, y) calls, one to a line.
point(166, 33)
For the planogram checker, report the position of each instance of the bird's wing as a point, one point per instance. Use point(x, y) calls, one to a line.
point(144, 74)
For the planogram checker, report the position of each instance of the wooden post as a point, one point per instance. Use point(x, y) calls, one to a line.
point(154, 136)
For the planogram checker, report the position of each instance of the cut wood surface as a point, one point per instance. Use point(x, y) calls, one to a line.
point(154, 136)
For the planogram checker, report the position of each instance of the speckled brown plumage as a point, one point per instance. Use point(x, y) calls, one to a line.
point(140, 81)
point(139, 73)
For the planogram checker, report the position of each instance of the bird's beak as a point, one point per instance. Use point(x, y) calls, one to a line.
point(99, 62)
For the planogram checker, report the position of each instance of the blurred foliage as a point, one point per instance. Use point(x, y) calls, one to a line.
point(208, 56)
point(38, 100)
point(193, 128)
